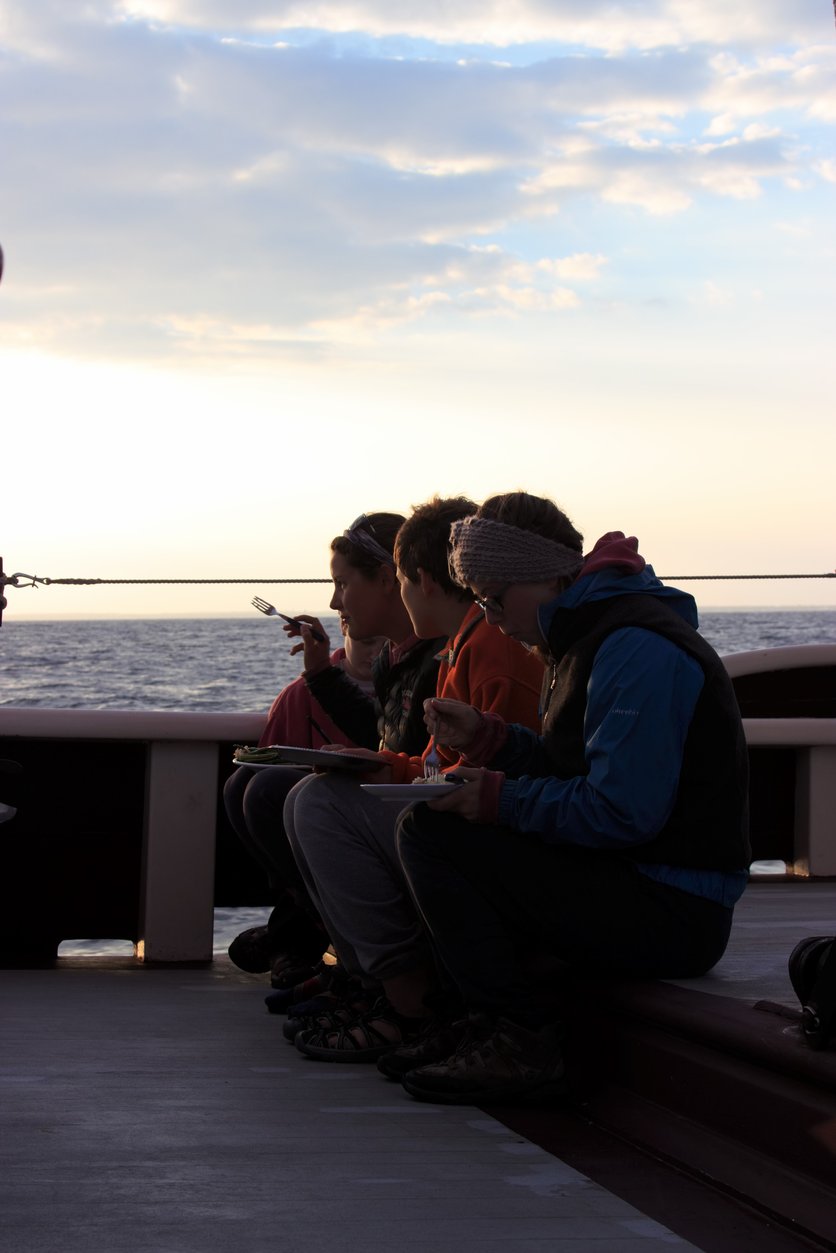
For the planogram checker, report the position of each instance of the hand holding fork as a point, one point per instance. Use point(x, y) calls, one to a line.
point(264, 606)
point(432, 763)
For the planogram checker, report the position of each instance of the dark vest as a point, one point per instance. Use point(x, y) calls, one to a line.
point(708, 828)
point(401, 690)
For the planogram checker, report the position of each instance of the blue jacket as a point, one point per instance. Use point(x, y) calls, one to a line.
point(641, 698)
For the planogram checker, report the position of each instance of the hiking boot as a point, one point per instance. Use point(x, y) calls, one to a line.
point(435, 1043)
point(259, 949)
point(253, 950)
point(495, 1061)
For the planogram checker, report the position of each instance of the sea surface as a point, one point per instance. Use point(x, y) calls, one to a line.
point(240, 664)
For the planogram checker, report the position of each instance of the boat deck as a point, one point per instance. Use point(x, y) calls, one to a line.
point(769, 920)
point(159, 1110)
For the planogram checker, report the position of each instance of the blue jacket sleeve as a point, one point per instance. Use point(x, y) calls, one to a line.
point(640, 701)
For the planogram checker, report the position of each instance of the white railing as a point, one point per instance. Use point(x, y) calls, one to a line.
point(181, 787)
point(814, 741)
point(177, 889)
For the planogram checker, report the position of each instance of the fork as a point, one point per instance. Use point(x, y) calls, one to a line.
point(264, 606)
point(432, 763)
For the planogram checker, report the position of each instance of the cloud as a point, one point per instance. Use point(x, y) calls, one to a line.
point(803, 80)
point(172, 181)
point(581, 266)
point(715, 294)
point(796, 230)
point(600, 24)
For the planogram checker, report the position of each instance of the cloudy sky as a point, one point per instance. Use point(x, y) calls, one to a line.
point(271, 264)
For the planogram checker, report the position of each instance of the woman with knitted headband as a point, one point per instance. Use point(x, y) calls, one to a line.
point(614, 842)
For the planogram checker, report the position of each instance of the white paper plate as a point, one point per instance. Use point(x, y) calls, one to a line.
point(408, 791)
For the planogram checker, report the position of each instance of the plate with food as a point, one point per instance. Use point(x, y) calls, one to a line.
point(289, 755)
point(418, 790)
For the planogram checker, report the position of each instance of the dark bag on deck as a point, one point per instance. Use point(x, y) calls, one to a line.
point(812, 967)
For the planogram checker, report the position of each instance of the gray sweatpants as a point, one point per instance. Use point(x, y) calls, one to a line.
point(344, 844)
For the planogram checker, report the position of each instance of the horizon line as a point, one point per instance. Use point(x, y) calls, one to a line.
point(241, 614)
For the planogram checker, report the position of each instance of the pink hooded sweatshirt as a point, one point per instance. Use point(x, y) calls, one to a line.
point(296, 718)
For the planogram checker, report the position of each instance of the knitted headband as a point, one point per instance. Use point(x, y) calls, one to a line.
point(483, 551)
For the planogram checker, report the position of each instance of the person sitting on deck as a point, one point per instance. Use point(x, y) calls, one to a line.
point(367, 597)
point(616, 840)
point(343, 837)
point(253, 799)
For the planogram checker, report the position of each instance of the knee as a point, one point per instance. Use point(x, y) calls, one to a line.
point(234, 789)
point(267, 791)
point(257, 806)
point(405, 833)
point(311, 806)
point(421, 834)
point(292, 805)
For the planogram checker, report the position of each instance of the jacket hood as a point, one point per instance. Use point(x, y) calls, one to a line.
point(615, 567)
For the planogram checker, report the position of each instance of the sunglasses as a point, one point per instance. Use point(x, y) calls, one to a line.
point(362, 533)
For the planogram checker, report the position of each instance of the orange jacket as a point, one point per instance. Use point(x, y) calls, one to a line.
point(484, 668)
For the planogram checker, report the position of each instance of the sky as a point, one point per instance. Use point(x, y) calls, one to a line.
point(273, 264)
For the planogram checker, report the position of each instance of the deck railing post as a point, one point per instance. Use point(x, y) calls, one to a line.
point(815, 811)
point(178, 873)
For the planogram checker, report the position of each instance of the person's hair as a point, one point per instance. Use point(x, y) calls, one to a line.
point(533, 513)
point(423, 541)
point(381, 529)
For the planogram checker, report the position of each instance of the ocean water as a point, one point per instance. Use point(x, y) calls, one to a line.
point(240, 664)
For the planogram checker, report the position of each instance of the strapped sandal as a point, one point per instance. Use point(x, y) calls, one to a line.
point(360, 1039)
point(330, 1017)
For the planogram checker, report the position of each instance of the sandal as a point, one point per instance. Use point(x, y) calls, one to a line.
point(331, 1015)
point(363, 1038)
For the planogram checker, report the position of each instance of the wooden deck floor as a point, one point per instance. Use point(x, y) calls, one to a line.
point(769, 920)
point(160, 1111)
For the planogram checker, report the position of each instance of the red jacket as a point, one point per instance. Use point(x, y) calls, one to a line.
point(296, 718)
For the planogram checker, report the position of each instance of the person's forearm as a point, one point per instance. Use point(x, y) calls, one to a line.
point(521, 751)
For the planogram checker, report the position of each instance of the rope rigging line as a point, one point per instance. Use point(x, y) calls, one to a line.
point(682, 578)
point(32, 580)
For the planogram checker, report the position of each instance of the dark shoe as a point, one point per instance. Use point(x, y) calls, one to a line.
point(290, 969)
point(326, 978)
point(259, 949)
point(363, 1038)
point(496, 1061)
point(252, 950)
point(434, 1043)
point(276, 1003)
